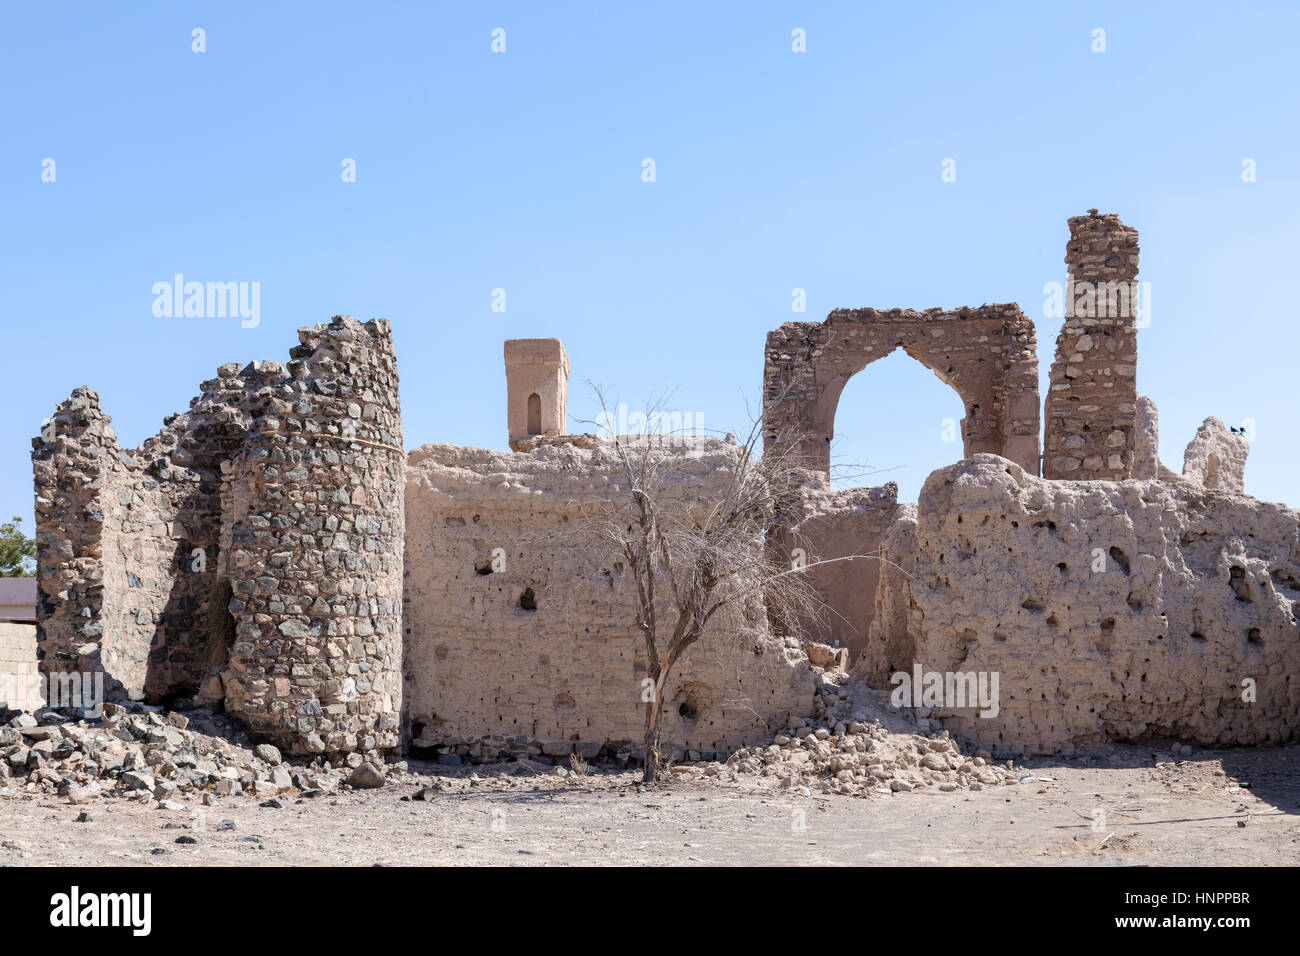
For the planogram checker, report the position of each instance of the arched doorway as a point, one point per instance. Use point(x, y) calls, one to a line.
point(894, 422)
point(534, 414)
point(988, 355)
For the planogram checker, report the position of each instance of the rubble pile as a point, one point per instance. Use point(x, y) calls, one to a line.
point(141, 752)
point(844, 749)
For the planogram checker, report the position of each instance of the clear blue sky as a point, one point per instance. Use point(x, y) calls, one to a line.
point(522, 171)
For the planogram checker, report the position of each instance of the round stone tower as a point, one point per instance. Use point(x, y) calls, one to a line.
point(314, 556)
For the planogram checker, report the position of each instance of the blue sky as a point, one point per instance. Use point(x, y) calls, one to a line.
point(522, 171)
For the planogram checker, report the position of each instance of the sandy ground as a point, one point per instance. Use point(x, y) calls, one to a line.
point(1130, 806)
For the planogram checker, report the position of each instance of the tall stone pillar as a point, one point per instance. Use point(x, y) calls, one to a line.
point(1091, 407)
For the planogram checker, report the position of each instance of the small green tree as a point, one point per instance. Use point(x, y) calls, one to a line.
point(17, 551)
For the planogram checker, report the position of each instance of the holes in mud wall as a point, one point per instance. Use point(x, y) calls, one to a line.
point(1120, 558)
point(528, 600)
point(483, 565)
point(1285, 579)
point(1032, 604)
point(1198, 637)
point(1108, 625)
point(1240, 586)
point(1253, 636)
point(688, 709)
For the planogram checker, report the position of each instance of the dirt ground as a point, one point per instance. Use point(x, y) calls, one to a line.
point(1129, 806)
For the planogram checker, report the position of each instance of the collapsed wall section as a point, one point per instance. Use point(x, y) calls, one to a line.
point(519, 630)
point(1109, 610)
point(838, 536)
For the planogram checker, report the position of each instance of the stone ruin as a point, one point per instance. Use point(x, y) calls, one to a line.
point(275, 552)
point(250, 553)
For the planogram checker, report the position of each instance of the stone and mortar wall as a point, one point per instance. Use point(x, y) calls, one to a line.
point(315, 553)
point(988, 355)
point(1091, 406)
point(542, 655)
point(250, 552)
point(19, 688)
point(1199, 592)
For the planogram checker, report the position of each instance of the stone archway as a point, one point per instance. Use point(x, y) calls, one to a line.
point(987, 355)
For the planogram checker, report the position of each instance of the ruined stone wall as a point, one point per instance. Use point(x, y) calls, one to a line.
point(1110, 610)
point(315, 557)
point(99, 519)
point(271, 512)
point(1091, 406)
point(832, 525)
point(541, 653)
point(988, 355)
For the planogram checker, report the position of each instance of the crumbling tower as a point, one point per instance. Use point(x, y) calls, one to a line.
point(537, 388)
point(315, 550)
point(1091, 406)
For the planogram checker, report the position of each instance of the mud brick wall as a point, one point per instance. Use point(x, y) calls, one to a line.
point(831, 525)
point(1198, 592)
point(1216, 458)
point(536, 367)
point(543, 654)
point(1091, 407)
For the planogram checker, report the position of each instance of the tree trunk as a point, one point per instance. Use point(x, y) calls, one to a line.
point(653, 711)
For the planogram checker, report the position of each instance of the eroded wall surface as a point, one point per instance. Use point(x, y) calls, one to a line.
point(519, 628)
point(1110, 610)
point(1216, 457)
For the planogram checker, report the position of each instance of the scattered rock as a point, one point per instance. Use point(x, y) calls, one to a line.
point(366, 777)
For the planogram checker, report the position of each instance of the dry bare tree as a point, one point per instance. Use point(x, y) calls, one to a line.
point(688, 566)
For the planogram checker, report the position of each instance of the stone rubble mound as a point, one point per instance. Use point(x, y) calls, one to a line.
point(845, 748)
point(140, 752)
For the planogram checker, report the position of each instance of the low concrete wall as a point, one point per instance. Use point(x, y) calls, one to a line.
point(18, 672)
